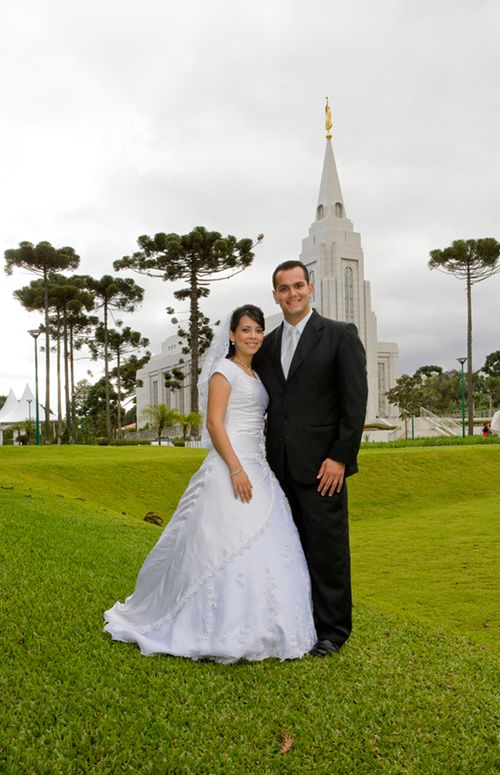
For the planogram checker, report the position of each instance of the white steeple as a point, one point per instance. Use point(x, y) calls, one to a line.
point(330, 194)
point(333, 255)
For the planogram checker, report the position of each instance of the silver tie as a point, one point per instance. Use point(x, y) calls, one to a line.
point(291, 345)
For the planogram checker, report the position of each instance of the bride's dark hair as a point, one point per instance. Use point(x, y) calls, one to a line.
point(251, 311)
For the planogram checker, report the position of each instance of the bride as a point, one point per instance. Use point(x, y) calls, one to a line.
point(227, 579)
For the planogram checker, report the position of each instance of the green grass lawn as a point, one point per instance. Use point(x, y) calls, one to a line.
point(411, 692)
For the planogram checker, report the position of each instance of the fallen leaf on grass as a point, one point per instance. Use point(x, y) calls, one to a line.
point(287, 743)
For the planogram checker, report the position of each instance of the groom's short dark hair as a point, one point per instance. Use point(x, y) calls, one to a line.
point(283, 267)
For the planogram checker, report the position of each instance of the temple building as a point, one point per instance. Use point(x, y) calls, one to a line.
point(334, 257)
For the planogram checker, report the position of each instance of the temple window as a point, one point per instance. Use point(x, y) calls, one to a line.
point(349, 294)
point(339, 210)
point(320, 212)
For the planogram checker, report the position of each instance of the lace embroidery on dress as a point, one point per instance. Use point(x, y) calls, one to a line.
point(245, 631)
point(273, 608)
point(241, 580)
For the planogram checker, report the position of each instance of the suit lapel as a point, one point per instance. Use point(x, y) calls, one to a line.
point(310, 337)
point(276, 354)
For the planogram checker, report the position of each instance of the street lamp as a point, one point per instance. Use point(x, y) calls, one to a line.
point(29, 400)
point(35, 333)
point(462, 362)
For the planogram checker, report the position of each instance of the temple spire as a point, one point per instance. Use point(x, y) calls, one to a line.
point(330, 200)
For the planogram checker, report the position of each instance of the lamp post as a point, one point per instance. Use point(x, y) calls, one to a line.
point(29, 400)
point(35, 333)
point(462, 380)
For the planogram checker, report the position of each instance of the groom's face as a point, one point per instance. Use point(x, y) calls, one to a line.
point(293, 293)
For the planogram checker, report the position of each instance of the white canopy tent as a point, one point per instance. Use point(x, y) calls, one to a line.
point(9, 406)
point(19, 410)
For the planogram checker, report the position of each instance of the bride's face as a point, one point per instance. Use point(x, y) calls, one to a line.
point(248, 337)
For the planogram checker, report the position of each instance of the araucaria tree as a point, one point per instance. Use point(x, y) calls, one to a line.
point(42, 260)
point(198, 258)
point(66, 297)
point(119, 294)
point(121, 341)
point(472, 260)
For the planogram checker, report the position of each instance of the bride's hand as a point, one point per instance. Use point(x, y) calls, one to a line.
point(242, 486)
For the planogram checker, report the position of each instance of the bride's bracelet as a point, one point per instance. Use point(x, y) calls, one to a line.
point(233, 473)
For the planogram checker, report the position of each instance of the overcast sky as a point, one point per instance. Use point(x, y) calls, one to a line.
point(120, 118)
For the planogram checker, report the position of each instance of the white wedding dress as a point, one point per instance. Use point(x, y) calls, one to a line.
point(227, 580)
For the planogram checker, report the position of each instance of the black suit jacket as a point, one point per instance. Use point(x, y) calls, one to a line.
point(319, 411)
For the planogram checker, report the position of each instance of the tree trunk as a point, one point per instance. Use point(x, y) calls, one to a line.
point(72, 377)
point(47, 356)
point(470, 389)
point(106, 371)
point(119, 387)
point(194, 338)
point(58, 369)
point(66, 375)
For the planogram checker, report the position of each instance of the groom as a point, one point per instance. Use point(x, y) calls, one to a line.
point(314, 370)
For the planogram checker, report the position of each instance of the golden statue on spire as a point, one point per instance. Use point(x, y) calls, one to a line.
point(328, 120)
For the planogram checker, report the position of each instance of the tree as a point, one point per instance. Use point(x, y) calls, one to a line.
point(66, 298)
point(129, 371)
point(428, 371)
point(407, 396)
point(114, 293)
point(90, 405)
point(80, 326)
point(473, 261)
point(492, 364)
point(205, 336)
point(174, 377)
point(161, 417)
point(195, 258)
point(190, 423)
point(42, 259)
point(490, 382)
point(442, 393)
point(120, 342)
point(69, 297)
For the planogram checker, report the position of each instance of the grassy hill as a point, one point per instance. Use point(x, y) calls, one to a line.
point(412, 691)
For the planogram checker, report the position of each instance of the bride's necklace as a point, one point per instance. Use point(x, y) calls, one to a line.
point(250, 371)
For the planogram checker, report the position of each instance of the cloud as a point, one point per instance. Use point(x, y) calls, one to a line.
point(120, 119)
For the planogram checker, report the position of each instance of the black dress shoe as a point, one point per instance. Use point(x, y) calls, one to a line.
point(323, 648)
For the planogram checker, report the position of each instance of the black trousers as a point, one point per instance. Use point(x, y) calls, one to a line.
point(323, 525)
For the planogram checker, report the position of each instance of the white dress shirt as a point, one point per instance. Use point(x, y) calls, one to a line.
point(285, 339)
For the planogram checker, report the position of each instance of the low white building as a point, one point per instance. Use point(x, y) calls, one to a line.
point(333, 254)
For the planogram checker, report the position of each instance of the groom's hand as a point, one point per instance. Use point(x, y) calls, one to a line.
point(331, 476)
